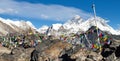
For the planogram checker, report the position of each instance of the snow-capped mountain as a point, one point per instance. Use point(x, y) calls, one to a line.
point(78, 24)
point(43, 29)
point(75, 25)
point(100, 22)
point(10, 26)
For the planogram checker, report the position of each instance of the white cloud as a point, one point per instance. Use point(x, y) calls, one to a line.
point(44, 16)
point(40, 11)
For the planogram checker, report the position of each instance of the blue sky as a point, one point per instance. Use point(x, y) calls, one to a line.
point(47, 12)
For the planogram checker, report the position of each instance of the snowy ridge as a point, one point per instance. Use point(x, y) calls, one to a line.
point(74, 24)
point(56, 26)
point(101, 24)
point(78, 24)
point(30, 24)
point(7, 25)
point(43, 29)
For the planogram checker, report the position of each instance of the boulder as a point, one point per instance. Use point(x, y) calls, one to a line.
point(55, 50)
point(7, 57)
point(84, 54)
point(50, 51)
point(17, 54)
point(4, 50)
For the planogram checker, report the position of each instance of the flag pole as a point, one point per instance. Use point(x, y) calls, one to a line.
point(93, 7)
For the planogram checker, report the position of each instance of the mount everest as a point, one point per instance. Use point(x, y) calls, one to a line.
point(75, 25)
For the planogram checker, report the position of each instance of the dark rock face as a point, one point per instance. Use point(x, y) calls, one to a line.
point(106, 53)
point(117, 52)
point(65, 57)
point(34, 56)
point(111, 53)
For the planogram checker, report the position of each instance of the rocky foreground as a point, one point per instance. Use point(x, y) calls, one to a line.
point(56, 50)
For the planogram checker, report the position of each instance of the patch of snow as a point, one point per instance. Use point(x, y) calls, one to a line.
point(43, 29)
point(56, 26)
point(30, 24)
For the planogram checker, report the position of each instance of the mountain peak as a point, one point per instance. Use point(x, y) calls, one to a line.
point(77, 23)
point(15, 26)
point(75, 20)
